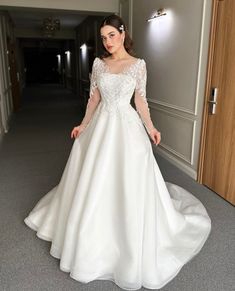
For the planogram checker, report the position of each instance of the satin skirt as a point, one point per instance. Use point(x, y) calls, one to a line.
point(112, 216)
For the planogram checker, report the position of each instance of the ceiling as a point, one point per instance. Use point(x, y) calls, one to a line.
point(33, 18)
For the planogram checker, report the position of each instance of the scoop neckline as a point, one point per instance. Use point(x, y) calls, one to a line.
point(125, 68)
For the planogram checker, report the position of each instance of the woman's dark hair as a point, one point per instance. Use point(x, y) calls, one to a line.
point(117, 22)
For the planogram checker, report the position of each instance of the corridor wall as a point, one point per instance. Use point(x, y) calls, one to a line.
point(175, 48)
point(6, 103)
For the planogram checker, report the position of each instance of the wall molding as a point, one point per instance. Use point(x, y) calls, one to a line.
point(171, 150)
point(176, 162)
point(199, 84)
point(183, 153)
point(171, 106)
point(175, 153)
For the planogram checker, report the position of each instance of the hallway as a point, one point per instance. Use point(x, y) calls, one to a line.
point(32, 157)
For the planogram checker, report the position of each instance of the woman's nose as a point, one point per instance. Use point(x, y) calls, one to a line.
point(108, 42)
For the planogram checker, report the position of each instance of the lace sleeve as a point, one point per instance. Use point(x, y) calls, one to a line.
point(94, 97)
point(93, 78)
point(141, 80)
point(140, 97)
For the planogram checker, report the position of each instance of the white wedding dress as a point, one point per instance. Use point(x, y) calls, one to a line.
point(112, 216)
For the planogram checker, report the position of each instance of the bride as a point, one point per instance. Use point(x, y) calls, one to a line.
point(112, 216)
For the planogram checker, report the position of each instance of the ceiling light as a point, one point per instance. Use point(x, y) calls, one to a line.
point(50, 26)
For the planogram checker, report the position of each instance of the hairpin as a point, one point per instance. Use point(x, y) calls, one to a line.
point(121, 27)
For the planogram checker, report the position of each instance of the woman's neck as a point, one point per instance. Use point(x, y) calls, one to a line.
point(120, 55)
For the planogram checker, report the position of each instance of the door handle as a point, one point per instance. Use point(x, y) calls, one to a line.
point(213, 101)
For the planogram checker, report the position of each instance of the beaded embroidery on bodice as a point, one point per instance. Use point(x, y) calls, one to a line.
point(116, 89)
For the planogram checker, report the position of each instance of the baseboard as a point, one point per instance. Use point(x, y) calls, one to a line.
point(176, 162)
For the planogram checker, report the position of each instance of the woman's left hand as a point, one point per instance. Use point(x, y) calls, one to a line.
point(155, 136)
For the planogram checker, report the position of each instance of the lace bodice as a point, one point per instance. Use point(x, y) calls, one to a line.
point(116, 89)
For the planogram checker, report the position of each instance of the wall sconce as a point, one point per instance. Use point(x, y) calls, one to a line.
point(160, 12)
point(83, 47)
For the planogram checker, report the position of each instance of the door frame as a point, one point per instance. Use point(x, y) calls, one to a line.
point(211, 51)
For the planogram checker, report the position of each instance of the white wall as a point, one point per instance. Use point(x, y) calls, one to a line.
point(126, 13)
point(81, 5)
point(175, 48)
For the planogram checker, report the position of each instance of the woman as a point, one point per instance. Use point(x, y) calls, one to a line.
point(112, 216)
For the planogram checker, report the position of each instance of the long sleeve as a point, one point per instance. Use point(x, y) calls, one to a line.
point(94, 95)
point(140, 97)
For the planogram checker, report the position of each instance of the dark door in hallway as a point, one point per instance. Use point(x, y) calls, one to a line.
point(41, 65)
point(14, 75)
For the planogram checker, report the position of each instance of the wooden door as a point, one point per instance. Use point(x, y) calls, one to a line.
point(14, 75)
point(217, 159)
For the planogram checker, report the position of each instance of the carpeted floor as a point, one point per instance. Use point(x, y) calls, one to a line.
point(32, 157)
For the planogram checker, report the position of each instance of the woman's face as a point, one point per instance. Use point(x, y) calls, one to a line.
point(112, 39)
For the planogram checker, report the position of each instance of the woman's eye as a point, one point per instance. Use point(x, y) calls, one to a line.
point(105, 38)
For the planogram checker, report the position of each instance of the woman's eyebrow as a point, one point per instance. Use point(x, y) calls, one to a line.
point(108, 33)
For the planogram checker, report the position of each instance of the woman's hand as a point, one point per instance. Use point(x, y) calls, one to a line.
point(155, 136)
point(77, 130)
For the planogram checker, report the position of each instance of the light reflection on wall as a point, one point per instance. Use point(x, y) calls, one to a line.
point(59, 63)
point(68, 62)
point(83, 51)
point(84, 60)
point(160, 32)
